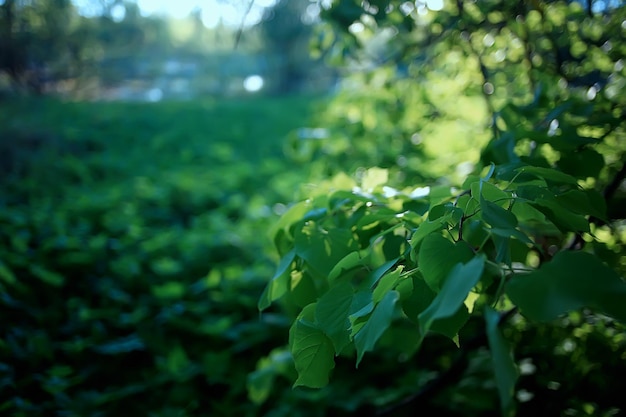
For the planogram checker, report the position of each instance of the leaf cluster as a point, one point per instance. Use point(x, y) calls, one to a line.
point(518, 228)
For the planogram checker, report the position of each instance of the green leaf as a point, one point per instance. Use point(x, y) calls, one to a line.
point(361, 309)
point(496, 216)
point(438, 194)
point(375, 275)
point(525, 213)
point(312, 350)
point(454, 291)
point(503, 364)
point(597, 204)
point(294, 214)
point(438, 211)
point(564, 219)
point(580, 201)
point(122, 345)
point(488, 191)
point(302, 289)
point(322, 249)
point(376, 325)
point(425, 229)
point(437, 257)
point(450, 326)
point(386, 284)
point(384, 214)
point(468, 204)
point(550, 175)
point(521, 236)
point(331, 314)
point(347, 263)
point(570, 281)
point(405, 288)
point(419, 300)
point(500, 150)
point(489, 174)
point(503, 249)
point(279, 284)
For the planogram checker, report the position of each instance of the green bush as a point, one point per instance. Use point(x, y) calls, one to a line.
point(472, 259)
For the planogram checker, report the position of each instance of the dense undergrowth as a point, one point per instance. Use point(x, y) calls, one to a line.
point(133, 249)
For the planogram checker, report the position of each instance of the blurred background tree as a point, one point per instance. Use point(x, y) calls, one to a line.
point(286, 30)
point(34, 44)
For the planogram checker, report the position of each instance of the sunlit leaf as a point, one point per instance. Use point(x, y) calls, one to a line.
point(375, 275)
point(386, 284)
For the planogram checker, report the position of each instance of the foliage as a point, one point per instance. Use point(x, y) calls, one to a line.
point(132, 253)
point(416, 251)
point(469, 263)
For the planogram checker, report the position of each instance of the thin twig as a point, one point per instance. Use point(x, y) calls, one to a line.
point(243, 22)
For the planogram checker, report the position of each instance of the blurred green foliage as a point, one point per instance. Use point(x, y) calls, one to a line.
point(134, 237)
point(133, 249)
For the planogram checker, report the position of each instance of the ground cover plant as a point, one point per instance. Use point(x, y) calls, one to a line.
point(133, 249)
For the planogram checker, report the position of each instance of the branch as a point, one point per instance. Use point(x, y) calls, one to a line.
point(243, 21)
